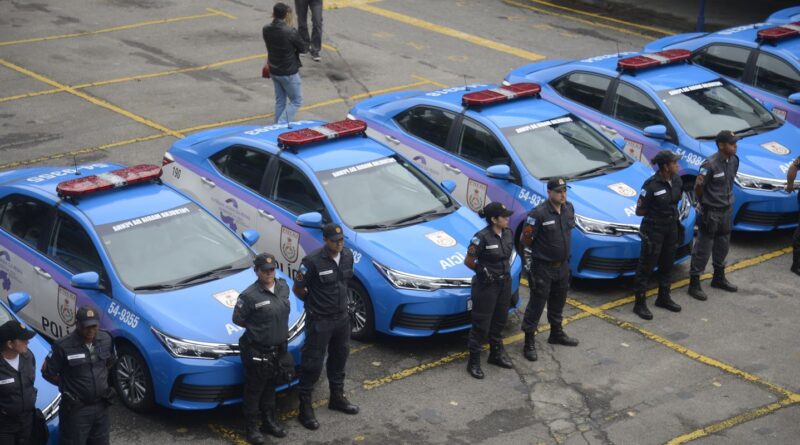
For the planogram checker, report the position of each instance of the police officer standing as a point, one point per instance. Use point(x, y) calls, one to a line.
point(489, 255)
point(321, 282)
point(790, 177)
point(546, 237)
point(17, 394)
point(714, 191)
point(263, 310)
point(79, 365)
point(660, 232)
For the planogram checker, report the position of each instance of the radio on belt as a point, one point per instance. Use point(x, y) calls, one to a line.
point(644, 61)
point(501, 94)
point(333, 130)
point(110, 180)
point(779, 33)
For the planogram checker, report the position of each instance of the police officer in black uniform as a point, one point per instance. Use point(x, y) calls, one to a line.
point(321, 282)
point(714, 191)
point(546, 238)
point(17, 394)
point(791, 174)
point(79, 364)
point(263, 310)
point(661, 231)
point(489, 255)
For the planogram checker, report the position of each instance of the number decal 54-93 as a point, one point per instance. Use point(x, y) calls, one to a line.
point(123, 315)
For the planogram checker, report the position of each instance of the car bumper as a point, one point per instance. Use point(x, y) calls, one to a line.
point(761, 211)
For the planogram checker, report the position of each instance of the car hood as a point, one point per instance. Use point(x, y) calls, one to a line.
point(610, 197)
point(768, 154)
point(433, 248)
point(203, 312)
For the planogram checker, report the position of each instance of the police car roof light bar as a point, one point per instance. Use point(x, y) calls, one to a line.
point(110, 180)
point(333, 130)
point(779, 33)
point(643, 61)
point(501, 94)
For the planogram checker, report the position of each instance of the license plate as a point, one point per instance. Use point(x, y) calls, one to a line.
point(469, 304)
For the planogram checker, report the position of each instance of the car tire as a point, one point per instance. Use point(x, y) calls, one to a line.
point(132, 380)
point(362, 316)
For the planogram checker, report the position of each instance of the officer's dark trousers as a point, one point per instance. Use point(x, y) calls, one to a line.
point(88, 424)
point(16, 430)
point(549, 287)
point(659, 243)
point(259, 391)
point(324, 335)
point(713, 239)
point(490, 303)
point(301, 8)
point(796, 236)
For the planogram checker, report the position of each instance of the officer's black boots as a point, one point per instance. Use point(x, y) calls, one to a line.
point(720, 282)
point(529, 350)
point(474, 365)
point(272, 426)
point(664, 300)
point(640, 307)
point(559, 337)
point(695, 290)
point(339, 402)
point(253, 434)
point(499, 357)
point(306, 415)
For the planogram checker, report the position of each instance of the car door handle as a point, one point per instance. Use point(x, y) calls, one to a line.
point(452, 168)
point(264, 214)
point(41, 272)
point(608, 129)
point(392, 139)
point(208, 182)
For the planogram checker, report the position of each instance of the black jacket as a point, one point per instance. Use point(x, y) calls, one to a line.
point(17, 394)
point(82, 373)
point(284, 46)
point(264, 315)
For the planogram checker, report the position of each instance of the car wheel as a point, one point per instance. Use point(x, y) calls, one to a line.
point(362, 317)
point(132, 379)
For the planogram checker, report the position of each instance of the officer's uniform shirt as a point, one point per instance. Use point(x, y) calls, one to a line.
point(551, 231)
point(493, 251)
point(264, 313)
point(17, 394)
point(719, 175)
point(659, 198)
point(326, 281)
point(83, 370)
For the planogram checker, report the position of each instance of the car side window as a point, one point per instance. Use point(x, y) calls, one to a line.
point(294, 192)
point(587, 89)
point(727, 60)
point(242, 164)
point(632, 106)
point(430, 124)
point(478, 145)
point(27, 219)
point(73, 249)
point(776, 76)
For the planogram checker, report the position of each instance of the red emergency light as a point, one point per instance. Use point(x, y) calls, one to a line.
point(779, 32)
point(110, 180)
point(644, 61)
point(333, 130)
point(501, 94)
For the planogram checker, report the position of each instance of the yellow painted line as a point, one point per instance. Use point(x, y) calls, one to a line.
point(733, 421)
point(224, 14)
point(339, 4)
point(577, 19)
point(228, 434)
point(92, 99)
point(211, 13)
point(358, 349)
point(432, 82)
point(294, 413)
point(450, 32)
point(601, 16)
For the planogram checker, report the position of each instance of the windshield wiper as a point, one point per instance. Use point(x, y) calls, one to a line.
point(708, 137)
point(206, 274)
point(418, 216)
point(155, 287)
point(372, 226)
point(599, 169)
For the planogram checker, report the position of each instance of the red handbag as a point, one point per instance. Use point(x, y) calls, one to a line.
point(265, 70)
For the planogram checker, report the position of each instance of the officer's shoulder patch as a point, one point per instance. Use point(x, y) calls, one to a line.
point(643, 193)
point(473, 249)
point(299, 276)
point(703, 171)
point(531, 221)
point(239, 302)
point(475, 241)
point(303, 269)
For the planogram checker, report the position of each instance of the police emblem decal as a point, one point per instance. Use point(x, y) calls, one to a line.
point(622, 189)
point(228, 298)
point(476, 195)
point(441, 239)
point(66, 306)
point(776, 147)
point(290, 244)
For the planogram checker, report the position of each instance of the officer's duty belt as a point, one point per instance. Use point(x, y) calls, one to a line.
point(552, 264)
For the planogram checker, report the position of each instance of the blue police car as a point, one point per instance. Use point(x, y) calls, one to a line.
point(409, 237)
point(503, 144)
point(660, 101)
point(762, 59)
point(164, 272)
point(47, 397)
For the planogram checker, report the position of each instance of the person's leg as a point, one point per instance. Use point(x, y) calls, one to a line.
point(280, 98)
point(338, 351)
point(295, 94)
point(719, 253)
point(316, 27)
point(555, 308)
point(497, 353)
point(666, 258)
point(301, 11)
point(100, 433)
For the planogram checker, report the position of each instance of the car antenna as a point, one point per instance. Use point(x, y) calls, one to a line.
point(75, 163)
point(288, 122)
point(618, 56)
point(466, 87)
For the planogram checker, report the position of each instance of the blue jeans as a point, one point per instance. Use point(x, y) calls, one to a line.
point(287, 87)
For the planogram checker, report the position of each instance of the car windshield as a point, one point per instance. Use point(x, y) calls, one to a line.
point(384, 193)
point(704, 110)
point(563, 147)
point(172, 248)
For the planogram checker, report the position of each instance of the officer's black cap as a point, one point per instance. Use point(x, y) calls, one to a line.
point(496, 209)
point(87, 316)
point(726, 137)
point(14, 330)
point(332, 231)
point(557, 184)
point(665, 157)
point(265, 261)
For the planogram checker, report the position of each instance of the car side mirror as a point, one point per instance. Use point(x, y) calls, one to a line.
point(619, 142)
point(18, 300)
point(86, 280)
point(656, 131)
point(311, 220)
point(250, 236)
point(499, 171)
point(449, 185)
point(794, 99)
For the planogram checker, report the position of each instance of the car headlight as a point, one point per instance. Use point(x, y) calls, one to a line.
point(598, 227)
point(684, 207)
point(298, 326)
point(51, 410)
point(194, 349)
point(759, 183)
point(402, 280)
